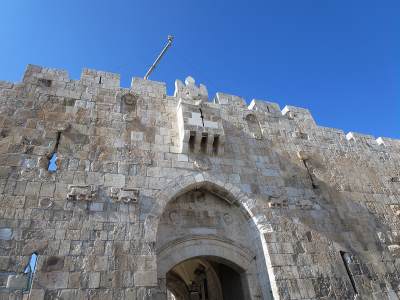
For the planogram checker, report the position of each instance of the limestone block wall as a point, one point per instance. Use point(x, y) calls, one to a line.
point(326, 203)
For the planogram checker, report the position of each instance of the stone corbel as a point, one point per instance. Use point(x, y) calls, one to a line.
point(81, 192)
point(124, 195)
point(305, 204)
point(277, 203)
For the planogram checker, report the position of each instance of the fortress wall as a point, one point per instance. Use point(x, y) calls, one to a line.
point(316, 190)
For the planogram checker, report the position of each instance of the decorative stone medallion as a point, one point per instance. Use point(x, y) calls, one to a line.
point(130, 99)
point(45, 203)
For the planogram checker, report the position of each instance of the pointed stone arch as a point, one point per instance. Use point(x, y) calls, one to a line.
point(183, 184)
point(224, 191)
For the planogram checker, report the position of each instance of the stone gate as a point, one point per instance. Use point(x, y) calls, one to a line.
point(128, 193)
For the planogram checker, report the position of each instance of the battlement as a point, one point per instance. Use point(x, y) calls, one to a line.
point(265, 107)
point(149, 87)
point(189, 90)
point(105, 79)
point(126, 193)
point(226, 99)
point(190, 93)
point(37, 74)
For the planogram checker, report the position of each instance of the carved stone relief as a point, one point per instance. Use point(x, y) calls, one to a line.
point(199, 213)
point(45, 203)
point(277, 203)
point(202, 163)
point(124, 195)
point(129, 106)
point(81, 192)
point(130, 99)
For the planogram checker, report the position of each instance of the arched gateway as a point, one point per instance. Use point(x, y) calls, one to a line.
point(208, 243)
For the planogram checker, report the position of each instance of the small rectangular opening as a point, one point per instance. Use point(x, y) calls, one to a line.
point(309, 236)
point(215, 144)
point(203, 143)
point(192, 138)
point(44, 82)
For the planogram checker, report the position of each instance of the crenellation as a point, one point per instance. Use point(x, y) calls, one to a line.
point(300, 115)
point(226, 99)
point(363, 140)
point(149, 88)
point(147, 185)
point(91, 77)
point(40, 75)
point(354, 136)
point(331, 133)
point(6, 84)
point(388, 142)
point(190, 91)
point(269, 108)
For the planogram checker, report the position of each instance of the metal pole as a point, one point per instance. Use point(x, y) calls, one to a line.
point(170, 39)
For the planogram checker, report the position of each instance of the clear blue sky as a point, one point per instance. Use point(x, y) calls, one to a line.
point(339, 58)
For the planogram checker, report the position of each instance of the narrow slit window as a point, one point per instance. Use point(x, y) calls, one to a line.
point(31, 266)
point(215, 144)
point(30, 269)
point(192, 140)
point(52, 166)
point(53, 163)
point(203, 143)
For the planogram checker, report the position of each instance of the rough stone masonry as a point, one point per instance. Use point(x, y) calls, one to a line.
point(153, 196)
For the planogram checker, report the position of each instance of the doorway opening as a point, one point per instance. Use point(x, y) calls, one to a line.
point(205, 278)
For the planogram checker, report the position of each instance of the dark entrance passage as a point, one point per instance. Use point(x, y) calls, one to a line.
point(204, 278)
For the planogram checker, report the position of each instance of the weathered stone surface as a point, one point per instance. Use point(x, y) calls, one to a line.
point(17, 282)
point(145, 181)
point(5, 233)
